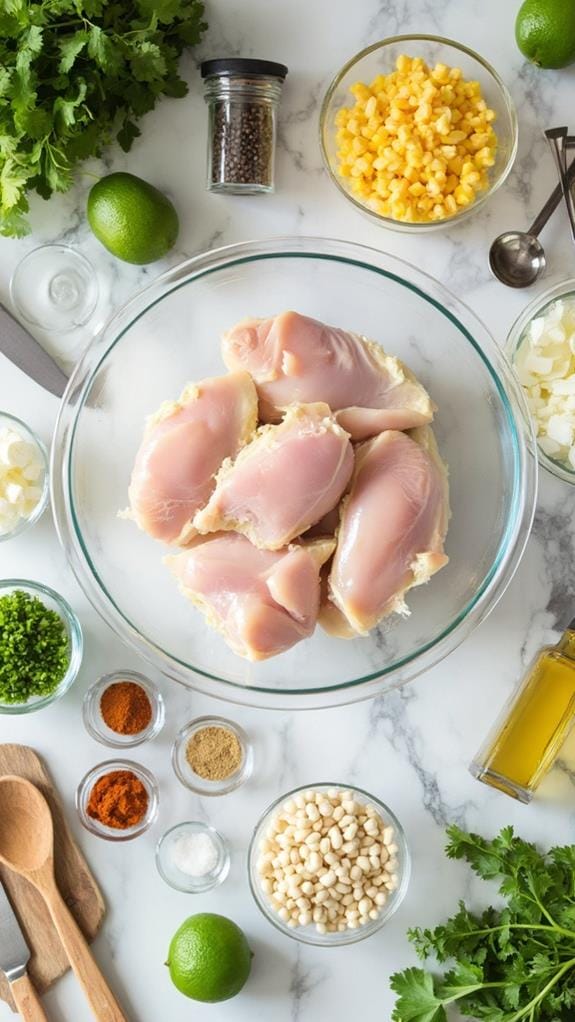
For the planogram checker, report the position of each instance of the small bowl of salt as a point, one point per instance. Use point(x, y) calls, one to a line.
point(192, 857)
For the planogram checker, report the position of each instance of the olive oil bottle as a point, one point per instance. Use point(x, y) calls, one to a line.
point(534, 724)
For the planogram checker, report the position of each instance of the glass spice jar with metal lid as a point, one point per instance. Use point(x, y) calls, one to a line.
point(243, 97)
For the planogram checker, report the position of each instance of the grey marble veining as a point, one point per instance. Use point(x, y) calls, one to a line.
point(412, 747)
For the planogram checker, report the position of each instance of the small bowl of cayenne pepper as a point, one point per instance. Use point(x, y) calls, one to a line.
point(123, 709)
point(117, 800)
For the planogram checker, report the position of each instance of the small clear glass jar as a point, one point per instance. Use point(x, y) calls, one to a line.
point(243, 97)
point(201, 785)
point(92, 713)
point(186, 882)
point(84, 790)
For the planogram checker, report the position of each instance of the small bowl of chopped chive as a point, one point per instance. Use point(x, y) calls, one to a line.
point(41, 646)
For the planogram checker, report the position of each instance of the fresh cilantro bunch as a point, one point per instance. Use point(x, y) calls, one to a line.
point(74, 75)
point(512, 964)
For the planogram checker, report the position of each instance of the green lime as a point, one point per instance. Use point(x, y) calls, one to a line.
point(209, 958)
point(545, 32)
point(132, 219)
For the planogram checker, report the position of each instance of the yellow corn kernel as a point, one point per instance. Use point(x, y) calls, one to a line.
point(443, 124)
point(463, 195)
point(360, 91)
point(417, 143)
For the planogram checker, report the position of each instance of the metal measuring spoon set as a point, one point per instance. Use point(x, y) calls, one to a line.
point(517, 258)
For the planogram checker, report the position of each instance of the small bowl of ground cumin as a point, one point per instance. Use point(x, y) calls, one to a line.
point(212, 756)
point(123, 709)
point(118, 800)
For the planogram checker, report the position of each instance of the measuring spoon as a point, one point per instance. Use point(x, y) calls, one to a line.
point(517, 258)
point(557, 138)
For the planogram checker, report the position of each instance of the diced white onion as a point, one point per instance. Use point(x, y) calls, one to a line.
point(545, 366)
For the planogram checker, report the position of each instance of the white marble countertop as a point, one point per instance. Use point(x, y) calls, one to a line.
point(411, 748)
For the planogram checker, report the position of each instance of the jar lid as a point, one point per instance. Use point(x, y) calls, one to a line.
point(243, 66)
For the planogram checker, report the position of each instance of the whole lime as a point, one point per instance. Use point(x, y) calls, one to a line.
point(209, 958)
point(545, 32)
point(132, 219)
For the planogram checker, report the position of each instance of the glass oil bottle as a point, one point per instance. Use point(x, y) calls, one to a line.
point(534, 724)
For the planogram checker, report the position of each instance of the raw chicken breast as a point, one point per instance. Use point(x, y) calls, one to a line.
point(184, 444)
point(262, 601)
point(293, 358)
point(393, 525)
point(288, 478)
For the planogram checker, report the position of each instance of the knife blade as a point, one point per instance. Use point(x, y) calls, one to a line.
point(24, 351)
point(14, 958)
point(14, 951)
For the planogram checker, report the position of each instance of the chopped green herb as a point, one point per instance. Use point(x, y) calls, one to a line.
point(514, 964)
point(34, 648)
point(74, 76)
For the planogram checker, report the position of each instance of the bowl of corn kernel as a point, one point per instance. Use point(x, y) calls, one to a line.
point(418, 131)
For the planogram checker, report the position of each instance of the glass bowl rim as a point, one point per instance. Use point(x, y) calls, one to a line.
point(515, 338)
point(100, 685)
point(27, 523)
point(90, 778)
point(347, 253)
point(335, 939)
point(221, 843)
point(228, 784)
point(466, 211)
point(75, 635)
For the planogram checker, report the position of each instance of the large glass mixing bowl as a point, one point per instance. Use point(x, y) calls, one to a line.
point(168, 335)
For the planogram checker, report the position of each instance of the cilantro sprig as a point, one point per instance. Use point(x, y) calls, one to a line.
point(74, 76)
point(514, 964)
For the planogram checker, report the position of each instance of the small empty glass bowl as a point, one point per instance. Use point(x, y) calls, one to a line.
point(380, 58)
point(53, 601)
point(84, 791)
point(518, 335)
point(201, 785)
point(309, 934)
point(13, 423)
point(95, 724)
point(181, 881)
point(55, 287)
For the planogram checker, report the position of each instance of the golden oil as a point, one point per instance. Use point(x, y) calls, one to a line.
point(534, 724)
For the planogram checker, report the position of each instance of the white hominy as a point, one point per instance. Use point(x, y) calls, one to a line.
point(329, 860)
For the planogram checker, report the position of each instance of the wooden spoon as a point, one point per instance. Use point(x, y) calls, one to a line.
point(27, 848)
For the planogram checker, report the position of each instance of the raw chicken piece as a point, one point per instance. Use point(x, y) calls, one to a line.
point(327, 526)
point(262, 601)
point(293, 358)
point(284, 481)
point(183, 446)
point(392, 530)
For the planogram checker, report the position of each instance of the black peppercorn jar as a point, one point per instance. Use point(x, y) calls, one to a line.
point(242, 97)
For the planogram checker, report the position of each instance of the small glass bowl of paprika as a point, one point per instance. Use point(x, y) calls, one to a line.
point(118, 800)
point(123, 709)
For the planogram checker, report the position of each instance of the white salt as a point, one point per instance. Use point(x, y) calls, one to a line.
point(194, 854)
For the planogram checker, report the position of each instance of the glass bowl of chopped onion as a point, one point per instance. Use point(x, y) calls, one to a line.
point(34, 674)
point(24, 477)
point(395, 142)
point(541, 347)
point(336, 889)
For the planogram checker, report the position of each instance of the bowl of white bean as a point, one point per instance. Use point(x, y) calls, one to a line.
point(328, 864)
